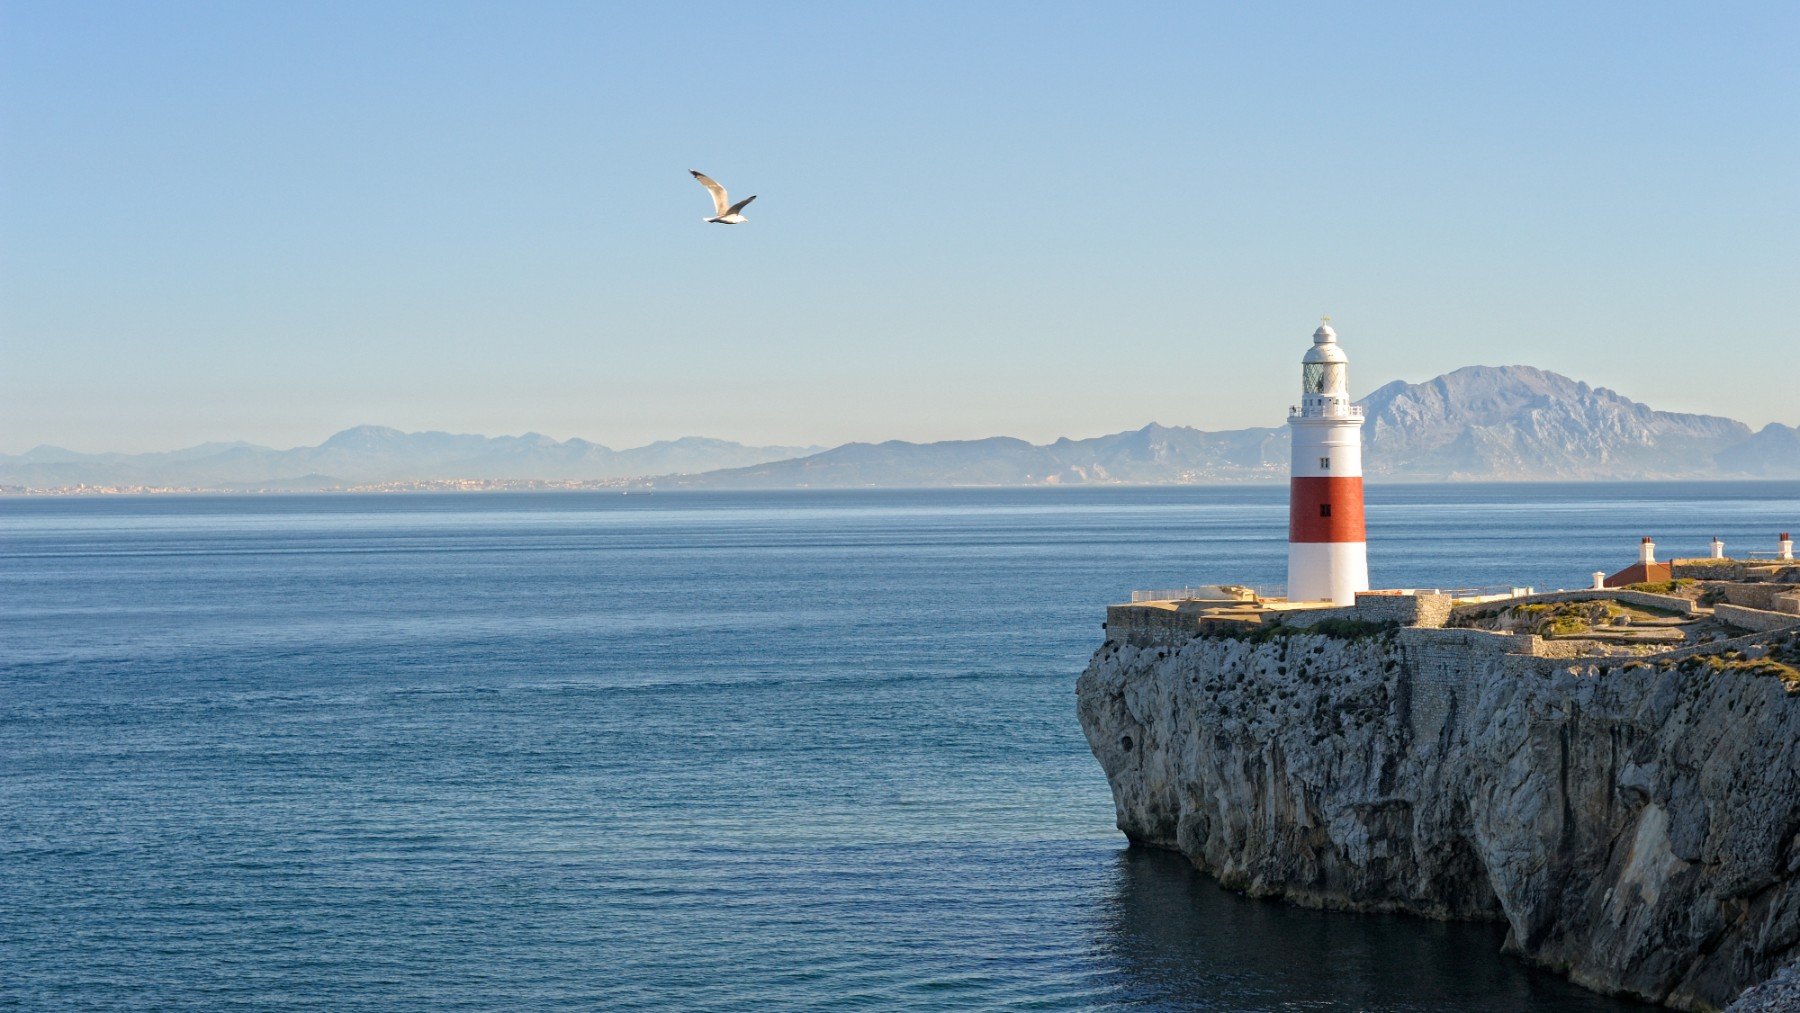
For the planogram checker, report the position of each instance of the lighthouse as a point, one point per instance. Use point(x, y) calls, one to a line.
point(1328, 556)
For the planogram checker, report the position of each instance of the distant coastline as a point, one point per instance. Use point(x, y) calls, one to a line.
point(1477, 424)
point(627, 487)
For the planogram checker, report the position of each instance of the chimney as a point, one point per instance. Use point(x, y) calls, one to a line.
point(1647, 551)
point(1599, 580)
point(1786, 545)
point(1718, 548)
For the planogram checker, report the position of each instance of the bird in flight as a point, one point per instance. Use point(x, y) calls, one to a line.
point(724, 212)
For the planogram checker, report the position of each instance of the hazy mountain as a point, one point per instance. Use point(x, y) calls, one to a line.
point(376, 454)
point(1482, 422)
point(1774, 452)
point(1151, 455)
point(1516, 422)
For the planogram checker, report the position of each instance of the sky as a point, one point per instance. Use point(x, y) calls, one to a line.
point(270, 222)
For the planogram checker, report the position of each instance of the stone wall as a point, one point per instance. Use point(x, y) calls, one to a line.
point(1707, 568)
point(1754, 596)
point(1756, 620)
point(1665, 602)
point(1373, 607)
point(1147, 623)
point(1730, 569)
point(1406, 609)
point(1307, 618)
point(1455, 647)
point(1152, 623)
point(1565, 650)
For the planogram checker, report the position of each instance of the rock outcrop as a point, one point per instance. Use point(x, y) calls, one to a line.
point(1780, 994)
point(1635, 825)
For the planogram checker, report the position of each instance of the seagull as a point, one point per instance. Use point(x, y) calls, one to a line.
point(725, 212)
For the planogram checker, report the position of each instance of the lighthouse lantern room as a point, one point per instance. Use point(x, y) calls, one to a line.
point(1327, 548)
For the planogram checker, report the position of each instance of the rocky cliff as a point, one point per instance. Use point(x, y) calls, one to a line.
point(1780, 994)
point(1635, 825)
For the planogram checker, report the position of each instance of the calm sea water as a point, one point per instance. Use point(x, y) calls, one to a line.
point(690, 751)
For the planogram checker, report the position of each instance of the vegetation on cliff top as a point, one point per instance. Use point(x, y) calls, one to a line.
point(1662, 586)
point(1737, 661)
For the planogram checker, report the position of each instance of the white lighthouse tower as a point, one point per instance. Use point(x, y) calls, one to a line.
point(1328, 557)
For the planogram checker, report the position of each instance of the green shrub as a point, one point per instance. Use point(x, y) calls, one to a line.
point(1732, 661)
point(1564, 625)
point(1661, 586)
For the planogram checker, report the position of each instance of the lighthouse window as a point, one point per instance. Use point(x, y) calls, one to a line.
point(1312, 377)
point(1324, 509)
point(1324, 464)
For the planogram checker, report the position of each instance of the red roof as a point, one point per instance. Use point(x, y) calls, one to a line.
point(1638, 573)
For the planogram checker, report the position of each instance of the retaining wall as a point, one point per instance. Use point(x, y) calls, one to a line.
point(1753, 596)
point(1755, 619)
point(1136, 622)
point(1425, 610)
point(1710, 648)
point(1665, 602)
point(1727, 569)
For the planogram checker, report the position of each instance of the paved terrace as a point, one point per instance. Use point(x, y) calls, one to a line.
point(1687, 616)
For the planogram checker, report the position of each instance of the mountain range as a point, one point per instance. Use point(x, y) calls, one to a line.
point(1480, 423)
point(376, 455)
point(1494, 423)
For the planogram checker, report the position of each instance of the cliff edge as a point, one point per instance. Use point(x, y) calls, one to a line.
point(1635, 823)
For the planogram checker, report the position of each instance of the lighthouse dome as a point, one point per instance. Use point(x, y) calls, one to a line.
point(1325, 347)
point(1325, 352)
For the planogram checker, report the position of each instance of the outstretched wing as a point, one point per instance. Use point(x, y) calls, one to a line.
point(740, 205)
point(721, 203)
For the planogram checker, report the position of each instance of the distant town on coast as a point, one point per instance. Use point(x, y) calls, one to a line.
point(1480, 423)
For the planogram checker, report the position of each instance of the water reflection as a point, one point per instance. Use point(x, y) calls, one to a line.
point(1172, 938)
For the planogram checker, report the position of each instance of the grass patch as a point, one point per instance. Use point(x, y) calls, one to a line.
point(1562, 626)
point(1564, 618)
point(1662, 586)
point(1734, 661)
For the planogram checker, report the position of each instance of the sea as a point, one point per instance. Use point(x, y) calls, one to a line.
point(677, 751)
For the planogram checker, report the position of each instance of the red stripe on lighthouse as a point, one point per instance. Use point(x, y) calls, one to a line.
point(1325, 510)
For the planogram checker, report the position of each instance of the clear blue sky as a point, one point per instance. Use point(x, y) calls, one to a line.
point(271, 221)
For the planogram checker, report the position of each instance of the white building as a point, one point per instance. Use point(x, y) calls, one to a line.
point(1328, 556)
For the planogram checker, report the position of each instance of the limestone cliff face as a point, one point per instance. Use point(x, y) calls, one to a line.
point(1780, 994)
point(1634, 826)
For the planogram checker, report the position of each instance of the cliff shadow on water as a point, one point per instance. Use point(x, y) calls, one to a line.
point(1631, 825)
point(1177, 938)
